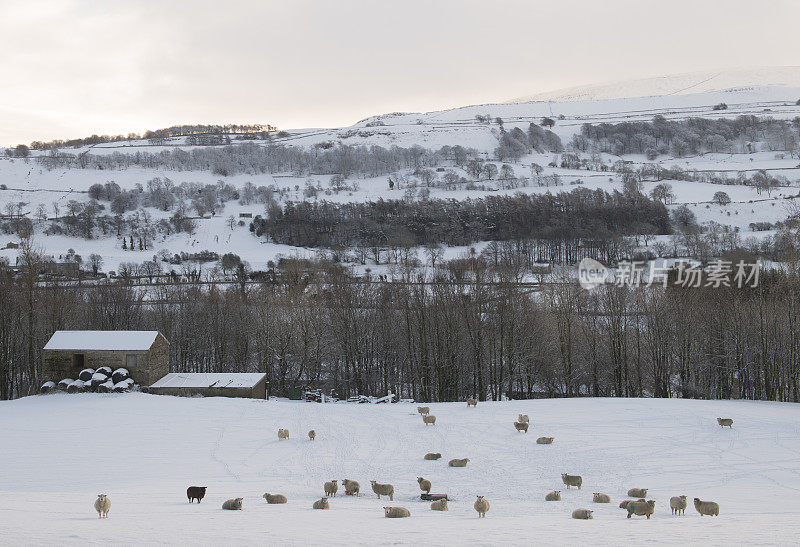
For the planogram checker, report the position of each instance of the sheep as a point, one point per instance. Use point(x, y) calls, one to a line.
point(637, 492)
point(641, 508)
point(523, 418)
point(312, 435)
point(555, 495)
point(572, 480)
point(458, 462)
point(424, 484)
point(472, 402)
point(429, 419)
point(321, 503)
point(196, 493)
point(283, 434)
point(424, 410)
point(351, 488)
point(274, 498)
point(706, 507)
point(678, 505)
point(624, 503)
point(481, 505)
point(725, 421)
point(233, 504)
point(331, 487)
point(521, 426)
point(432, 456)
point(440, 505)
point(583, 514)
point(383, 490)
point(102, 505)
point(598, 497)
point(396, 512)
point(544, 440)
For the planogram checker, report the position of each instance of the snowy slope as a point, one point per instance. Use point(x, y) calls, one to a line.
point(676, 84)
point(59, 451)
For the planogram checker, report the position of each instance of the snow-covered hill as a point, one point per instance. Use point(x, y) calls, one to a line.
point(60, 451)
point(676, 84)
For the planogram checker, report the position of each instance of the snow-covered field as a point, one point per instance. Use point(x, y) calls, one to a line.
point(59, 451)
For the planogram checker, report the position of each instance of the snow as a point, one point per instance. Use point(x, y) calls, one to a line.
point(209, 379)
point(101, 340)
point(158, 446)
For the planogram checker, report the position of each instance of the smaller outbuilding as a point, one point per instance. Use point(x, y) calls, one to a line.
point(209, 384)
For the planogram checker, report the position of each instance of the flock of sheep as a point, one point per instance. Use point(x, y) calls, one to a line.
point(639, 506)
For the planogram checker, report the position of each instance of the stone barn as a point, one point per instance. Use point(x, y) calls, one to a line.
point(144, 353)
point(208, 384)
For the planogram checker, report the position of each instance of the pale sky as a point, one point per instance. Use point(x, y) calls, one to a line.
point(71, 68)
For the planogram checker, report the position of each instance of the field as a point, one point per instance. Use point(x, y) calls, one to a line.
point(60, 451)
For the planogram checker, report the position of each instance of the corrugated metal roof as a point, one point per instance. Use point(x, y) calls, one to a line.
point(102, 340)
point(210, 380)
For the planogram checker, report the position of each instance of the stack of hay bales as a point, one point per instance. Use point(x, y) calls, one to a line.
point(102, 380)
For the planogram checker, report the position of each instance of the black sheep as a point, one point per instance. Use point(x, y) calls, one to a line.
point(196, 493)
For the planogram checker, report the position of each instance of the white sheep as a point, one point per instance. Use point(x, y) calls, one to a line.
point(440, 505)
point(274, 498)
point(351, 488)
point(624, 503)
point(424, 485)
point(555, 495)
point(521, 426)
point(432, 456)
point(383, 490)
point(429, 419)
point(544, 440)
point(641, 508)
point(321, 503)
point(424, 410)
point(455, 462)
point(583, 514)
point(472, 402)
point(637, 492)
point(481, 505)
point(102, 505)
point(706, 507)
point(678, 505)
point(283, 434)
point(571, 480)
point(312, 435)
point(396, 512)
point(599, 497)
point(331, 487)
point(233, 504)
point(725, 421)
point(524, 418)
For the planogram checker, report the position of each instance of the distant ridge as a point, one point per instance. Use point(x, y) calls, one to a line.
point(676, 84)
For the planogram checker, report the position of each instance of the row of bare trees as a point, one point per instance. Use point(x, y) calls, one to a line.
point(471, 328)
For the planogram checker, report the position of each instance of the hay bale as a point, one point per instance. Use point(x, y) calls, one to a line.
point(86, 375)
point(76, 387)
point(47, 387)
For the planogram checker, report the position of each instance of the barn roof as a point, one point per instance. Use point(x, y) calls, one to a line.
point(204, 380)
point(102, 340)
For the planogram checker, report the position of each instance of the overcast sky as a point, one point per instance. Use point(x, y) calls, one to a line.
point(73, 68)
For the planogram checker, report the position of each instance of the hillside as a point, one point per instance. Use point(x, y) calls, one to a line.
point(143, 451)
point(38, 192)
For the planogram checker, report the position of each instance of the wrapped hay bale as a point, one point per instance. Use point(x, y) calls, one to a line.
point(47, 387)
point(76, 387)
point(98, 378)
point(123, 386)
point(104, 370)
point(64, 384)
point(86, 375)
point(120, 375)
point(106, 387)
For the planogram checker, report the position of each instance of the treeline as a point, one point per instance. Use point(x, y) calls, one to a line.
point(472, 331)
point(252, 159)
point(516, 143)
point(173, 131)
point(578, 217)
point(691, 136)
